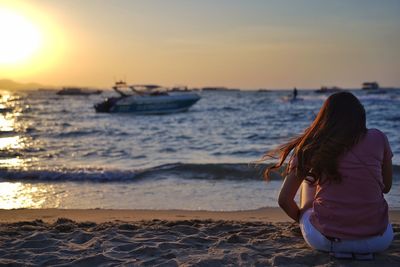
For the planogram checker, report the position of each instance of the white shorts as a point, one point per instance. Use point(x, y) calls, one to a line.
point(318, 241)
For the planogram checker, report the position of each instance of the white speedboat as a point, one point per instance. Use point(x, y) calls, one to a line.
point(146, 99)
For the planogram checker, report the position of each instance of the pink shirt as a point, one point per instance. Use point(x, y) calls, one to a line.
point(355, 208)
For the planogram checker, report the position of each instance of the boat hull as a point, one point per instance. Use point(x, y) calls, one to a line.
point(151, 104)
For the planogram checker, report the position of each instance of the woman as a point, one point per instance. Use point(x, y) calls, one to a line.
point(343, 169)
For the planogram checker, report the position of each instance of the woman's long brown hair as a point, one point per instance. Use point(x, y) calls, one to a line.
point(339, 125)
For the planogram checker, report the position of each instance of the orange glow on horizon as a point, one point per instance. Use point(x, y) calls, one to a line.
point(248, 45)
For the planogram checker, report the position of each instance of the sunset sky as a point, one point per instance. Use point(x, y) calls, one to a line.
point(241, 44)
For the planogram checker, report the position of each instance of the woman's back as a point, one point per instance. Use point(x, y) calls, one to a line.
point(355, 207)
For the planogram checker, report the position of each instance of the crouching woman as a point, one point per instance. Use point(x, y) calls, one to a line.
point(343, 170)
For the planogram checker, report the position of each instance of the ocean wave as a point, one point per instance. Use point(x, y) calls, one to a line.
point(78, 133)
point(393, 118)
point(177, 170)
point(223, 171)
point(6, 109)
point(7, 133)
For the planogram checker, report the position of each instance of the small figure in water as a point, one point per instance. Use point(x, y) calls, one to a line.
point(294, 93)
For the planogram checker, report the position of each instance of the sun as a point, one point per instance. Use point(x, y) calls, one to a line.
point(20, 39)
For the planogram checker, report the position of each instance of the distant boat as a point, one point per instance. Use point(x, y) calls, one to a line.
point(78, 91)
point(146, 99)
point(214, 89)
point(373, 88)
point(370, 86)
point(325, 89)
point(45, 89)
point(219, 89)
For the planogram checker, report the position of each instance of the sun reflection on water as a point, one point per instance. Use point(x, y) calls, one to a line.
point(15, 195)
point(11, 143)
point(11, 163)
point(6, 123)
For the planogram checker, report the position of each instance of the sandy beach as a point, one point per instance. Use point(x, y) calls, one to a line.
point(263, 237)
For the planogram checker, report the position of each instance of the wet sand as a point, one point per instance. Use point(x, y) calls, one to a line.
point(263, 237)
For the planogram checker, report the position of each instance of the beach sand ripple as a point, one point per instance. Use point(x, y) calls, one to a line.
point(167, 243)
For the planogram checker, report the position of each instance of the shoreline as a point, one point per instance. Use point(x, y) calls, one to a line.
point(272, 215)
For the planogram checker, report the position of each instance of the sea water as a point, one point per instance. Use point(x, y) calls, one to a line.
point(57, 152)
